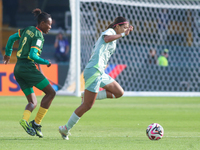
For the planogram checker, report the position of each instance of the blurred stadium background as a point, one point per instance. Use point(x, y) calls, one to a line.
point(17, 14)
point(158, 24)
point(111, 124)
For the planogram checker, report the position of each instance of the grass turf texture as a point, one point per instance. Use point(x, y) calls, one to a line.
point(111, 124)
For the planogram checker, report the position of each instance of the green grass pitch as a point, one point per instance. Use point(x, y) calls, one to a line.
point(118, 124)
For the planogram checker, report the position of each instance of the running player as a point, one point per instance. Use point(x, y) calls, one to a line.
point(26, 73)
point(94, 74)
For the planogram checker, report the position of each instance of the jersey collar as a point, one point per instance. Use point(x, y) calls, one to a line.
point(39, 30)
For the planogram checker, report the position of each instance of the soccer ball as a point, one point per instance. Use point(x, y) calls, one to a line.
point(154, 131)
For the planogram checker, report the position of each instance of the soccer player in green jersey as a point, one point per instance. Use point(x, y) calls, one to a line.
point(26, 73)
point(94, 74)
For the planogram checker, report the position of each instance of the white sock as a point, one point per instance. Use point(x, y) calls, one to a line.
point(72, 121)
point(101, 95)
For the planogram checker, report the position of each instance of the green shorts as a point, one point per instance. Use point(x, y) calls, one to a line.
point(95, 79)
point(27, 76)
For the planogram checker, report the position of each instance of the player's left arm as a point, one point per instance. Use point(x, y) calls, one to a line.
point(34, 56)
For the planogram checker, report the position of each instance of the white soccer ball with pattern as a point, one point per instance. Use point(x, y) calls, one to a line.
point(154, 131)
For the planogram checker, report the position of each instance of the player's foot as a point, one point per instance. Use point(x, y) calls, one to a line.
point(82, 98)
point(37, 128)
point(27, 127)
point(64, 132)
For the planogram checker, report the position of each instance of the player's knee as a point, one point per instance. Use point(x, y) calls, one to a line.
point(54, 93)
point(32, 105)
point(119, 94)
point(51, 94)
point(87, 106)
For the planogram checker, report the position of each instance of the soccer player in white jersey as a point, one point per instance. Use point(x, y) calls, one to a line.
point(94, 74)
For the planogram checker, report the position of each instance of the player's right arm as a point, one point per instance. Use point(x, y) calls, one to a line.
point(110, 38)
point(9, 47)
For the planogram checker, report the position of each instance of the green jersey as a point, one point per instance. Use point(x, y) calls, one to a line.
point(162, 61)
point(31, 37)
point(102, 51)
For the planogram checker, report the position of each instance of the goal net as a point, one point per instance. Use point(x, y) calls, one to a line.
point(158, 25)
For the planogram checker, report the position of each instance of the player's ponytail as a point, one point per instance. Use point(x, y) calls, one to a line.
point(110, 26)
point(118, 21)
point(41, 16)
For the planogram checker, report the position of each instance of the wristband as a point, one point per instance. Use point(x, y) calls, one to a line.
point(123, 34)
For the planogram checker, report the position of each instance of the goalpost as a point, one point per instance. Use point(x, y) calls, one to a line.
point(159, 25)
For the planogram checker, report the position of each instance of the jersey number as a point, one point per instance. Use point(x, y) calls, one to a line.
point(23, 43)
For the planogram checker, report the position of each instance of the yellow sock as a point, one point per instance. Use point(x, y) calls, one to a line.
point(26, 115)
point(40, 115)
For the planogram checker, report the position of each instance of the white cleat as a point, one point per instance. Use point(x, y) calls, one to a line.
point(64, 132)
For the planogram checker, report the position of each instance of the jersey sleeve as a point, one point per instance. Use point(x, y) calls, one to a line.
point(11, 41)
point(34, 56)
point(20, 32)
point(109, 31)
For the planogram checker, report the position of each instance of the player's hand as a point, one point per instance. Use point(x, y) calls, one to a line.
point(6, 59)
point(128, 30)
point(131, 28)
point(49, 63)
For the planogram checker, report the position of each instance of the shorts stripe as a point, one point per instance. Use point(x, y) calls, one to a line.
point(42, 84)
point(28, 91)
point(92, 79)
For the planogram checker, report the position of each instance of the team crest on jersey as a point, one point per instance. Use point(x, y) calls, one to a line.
point(39, 42)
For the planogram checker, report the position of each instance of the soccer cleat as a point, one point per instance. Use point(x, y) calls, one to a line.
point(27, 127)
point(64, 132)
point(37, 128)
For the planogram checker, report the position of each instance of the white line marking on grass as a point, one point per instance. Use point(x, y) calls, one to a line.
point(182, 136)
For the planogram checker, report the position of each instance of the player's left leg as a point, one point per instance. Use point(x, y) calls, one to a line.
point(45, 104)
point(77, 114)
point(112, 89)
point(92, 78)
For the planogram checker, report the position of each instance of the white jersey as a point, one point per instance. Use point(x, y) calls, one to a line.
point(102, 51)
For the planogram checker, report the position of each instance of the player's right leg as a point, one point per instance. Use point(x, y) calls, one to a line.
point(20, 75)
point(32, 103)
point(27, 127)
